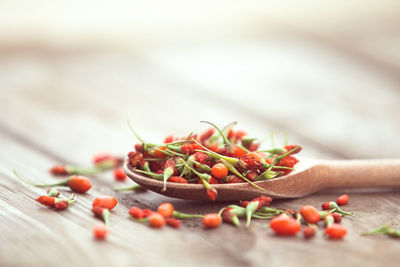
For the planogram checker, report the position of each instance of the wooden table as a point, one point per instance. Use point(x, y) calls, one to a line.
point(334, 90)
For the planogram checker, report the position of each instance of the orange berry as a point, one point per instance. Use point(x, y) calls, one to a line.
point(335, 231)
point(80, 184)
point(211, 220)
point(159, 154)
point(284, 225)
point(310, 214)
point(166, 209)
point(156, 220)
point(219, 171)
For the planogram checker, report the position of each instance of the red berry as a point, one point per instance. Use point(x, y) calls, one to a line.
point(337, 217)
point(219, 171)
point(342, 200)
point(211, 220)
point(156, 220)
point(173, 222)
point(100, 232)
point(309, 232)
point(58, 170)
point(206, 135)
point(101, 158)
point(169, 139)
point(177, 179)
point(285, 225)
point(136, 213)
point(310, 214)
point(237, 151)
point(212, 194)
point(79, 184)
point(119, 174)
point(46, 201)
point(147, 213)
point(335, 231)
point(106, 202)
point(61, 205)
point(291, 147)
point(159, 154)
point(325, 206)
point(166, 209)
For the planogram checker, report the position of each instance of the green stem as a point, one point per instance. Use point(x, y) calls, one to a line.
point(234, 171)
point(278, 159)
point(380, 230)
point(151, 174)
point(203, 176)
point(224, 139)
point(181, 215)
point(63, 182)
point(129, 188)
point(168, 172)
point(106, 217)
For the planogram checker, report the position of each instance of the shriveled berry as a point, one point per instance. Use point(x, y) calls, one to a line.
point(119, 174)
point(61, 205)
point(310, 214)
point(147, 213)
point(342, 200)
point(156, 220)
point(325, 206)
point(177, 179)
point(337, 217)
point(219, 171)
point(100, 232)
point(285, 225)
point(136, 213)
point(211, 220)
point(212, 194)
point(335, 231)
point(166, 209)
point(106, 202)
point(175, 223)
point(309, 232)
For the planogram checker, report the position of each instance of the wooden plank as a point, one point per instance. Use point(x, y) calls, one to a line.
point(60, 125)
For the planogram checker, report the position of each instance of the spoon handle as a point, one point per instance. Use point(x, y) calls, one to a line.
point(361, 173)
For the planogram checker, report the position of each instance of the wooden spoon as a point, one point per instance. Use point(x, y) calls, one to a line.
point(310, 176)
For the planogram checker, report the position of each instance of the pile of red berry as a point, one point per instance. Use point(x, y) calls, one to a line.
point(213, 157)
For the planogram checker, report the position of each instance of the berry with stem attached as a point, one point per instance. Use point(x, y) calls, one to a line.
point(310, 214)
point(166, 209)
point(77, 183)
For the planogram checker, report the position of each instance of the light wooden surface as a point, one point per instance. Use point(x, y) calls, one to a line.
point(329, 82)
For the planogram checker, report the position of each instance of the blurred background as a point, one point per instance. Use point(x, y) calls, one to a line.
point(328, 73)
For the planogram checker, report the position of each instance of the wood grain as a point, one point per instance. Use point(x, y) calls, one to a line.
point(62, 104)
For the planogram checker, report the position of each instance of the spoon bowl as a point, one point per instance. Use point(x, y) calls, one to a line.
point(310, 176)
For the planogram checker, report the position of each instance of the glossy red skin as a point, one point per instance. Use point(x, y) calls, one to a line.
point(211, 220)
point(100, 232)
point(310, 214)
point(285, 225)
point(342, 200)
point(335, 231)
point(106, 202)
point(219, 171)
point(79, 184)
